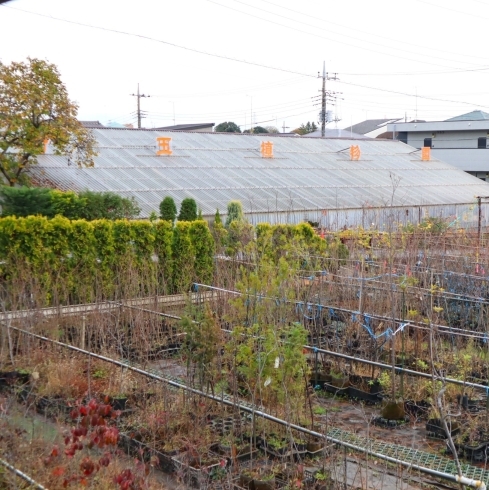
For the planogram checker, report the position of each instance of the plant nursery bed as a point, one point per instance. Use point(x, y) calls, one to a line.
point(360, 395)
point(475, 454)
point(196, 472)
point(335, 390)
point(435, 430)
point(390, 424)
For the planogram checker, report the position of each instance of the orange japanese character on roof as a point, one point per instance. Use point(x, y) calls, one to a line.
point(267, 149)
point(426, 154)
point(355, 152)
point(163, 146)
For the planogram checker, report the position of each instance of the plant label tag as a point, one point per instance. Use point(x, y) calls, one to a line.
point(277, 362)
point(267, 381)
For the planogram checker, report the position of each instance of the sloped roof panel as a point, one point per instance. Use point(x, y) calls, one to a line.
point(306, 174)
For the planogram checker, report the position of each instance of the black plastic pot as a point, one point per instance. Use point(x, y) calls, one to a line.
point(375, 388)
point(357, 394)
point(435, 429)
point(417, 409)
point(476, 454)
point(314, 445)
point(264, 484)
point(8, 378)
point(246, 481)
point(335, 390)
point(119, 403)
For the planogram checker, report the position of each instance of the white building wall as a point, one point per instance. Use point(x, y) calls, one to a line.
point(447, 139)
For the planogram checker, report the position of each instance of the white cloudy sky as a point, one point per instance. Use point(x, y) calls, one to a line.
point(384, 52)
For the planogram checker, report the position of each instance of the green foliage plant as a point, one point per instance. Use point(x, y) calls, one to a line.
point(168, 209)
point(235, 212)
point(204, 246)
point(164, 254)
point(306, 128)
point(183, 257)
point(256, 130)
point(35, 109)
point(27, 201)
point(227, 127)
point(24, 201)
point(188, 210)
point(108, 205)
point(202, 343)
point(68, 204)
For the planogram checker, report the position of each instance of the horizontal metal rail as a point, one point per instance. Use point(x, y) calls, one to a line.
point(171, 300)
point(22, 475)
point(249, 408)
point(444, 329)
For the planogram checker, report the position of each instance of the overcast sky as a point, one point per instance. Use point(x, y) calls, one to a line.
point(384, 53)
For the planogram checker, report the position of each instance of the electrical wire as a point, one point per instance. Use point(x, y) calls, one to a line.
point(477, 16)
point(412, 95)
point(339, 34)
point(168, 43)
point(371, 34)
point(255, 88)
point(291, 104)
point(228, 58)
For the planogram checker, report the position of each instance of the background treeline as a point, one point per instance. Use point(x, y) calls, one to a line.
point(27, 201)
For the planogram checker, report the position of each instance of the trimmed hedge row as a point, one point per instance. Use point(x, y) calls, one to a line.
point(57, 261)
point(83, 261)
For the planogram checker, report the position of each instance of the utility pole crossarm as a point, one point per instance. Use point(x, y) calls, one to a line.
point(324, 96)
point(139, 113)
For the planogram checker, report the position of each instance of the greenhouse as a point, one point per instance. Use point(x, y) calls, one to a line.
point(278, 180)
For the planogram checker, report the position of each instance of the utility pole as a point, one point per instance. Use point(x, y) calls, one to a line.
point(324, 95)
point(323, 103)
point(284, 127)
point(139, 113)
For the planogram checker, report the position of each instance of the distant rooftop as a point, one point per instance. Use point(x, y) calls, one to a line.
point(471, 116)
point(371, 125)
point(92, 124)
point(336, 133)
point(186, 127)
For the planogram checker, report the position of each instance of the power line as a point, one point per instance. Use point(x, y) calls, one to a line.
point(453, 10)
point(395, 55)
point(414, 95)
point(256, 88)
point(148, 38)
point(413, 73)
point(315, 17)
point(292, 105)
point(228, 58)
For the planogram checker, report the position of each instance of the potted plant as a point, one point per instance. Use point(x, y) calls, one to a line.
point(322, 480)
point(276, 444)
point(258, 478)
point(314, 445)
point(339, 379)
point(435, 427)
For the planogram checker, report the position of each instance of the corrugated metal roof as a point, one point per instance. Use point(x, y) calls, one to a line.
point(471, 116)
point(370, 125)
point(336, 133)
point(186, 127)
point(306, 174)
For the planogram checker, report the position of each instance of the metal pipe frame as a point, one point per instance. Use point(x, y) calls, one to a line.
point(22, 475)
point(260, 413)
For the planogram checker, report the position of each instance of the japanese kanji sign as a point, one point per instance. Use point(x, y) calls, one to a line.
point(164, 146)
point(426, 154)
point(355, 152)
point(267, 149)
